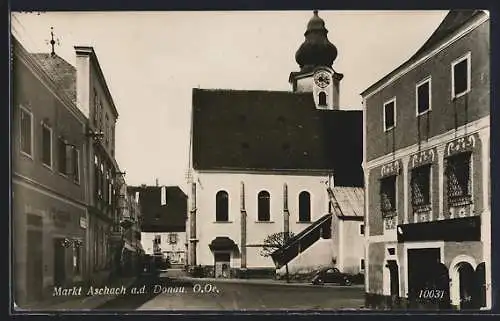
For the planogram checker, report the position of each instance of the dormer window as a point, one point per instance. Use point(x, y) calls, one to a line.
point(322, 99)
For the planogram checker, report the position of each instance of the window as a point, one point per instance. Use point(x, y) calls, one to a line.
point(107, 129)
point(96, 107)
point(222, 206)
point(46, 145)
point(460, 76)
point(96, 177)
point(100, 116)
point(362, 229)
point(362, 264)
point(172, 238)
point(107, 184)
point(388, 195)
point(423, 96)
point(390, 115)
point(304, 207)
point(322, 99)
point(112, 136)
point(420, 186)
point(77, 260)
point(110, 188)
point(76, 164)
point(102, 179)
point(264, 207)
point(61, 148)
point(157, 239)
point(388, 201)
point(26, 127)
point(458, 177)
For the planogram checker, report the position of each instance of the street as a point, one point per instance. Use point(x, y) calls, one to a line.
point(171, 291)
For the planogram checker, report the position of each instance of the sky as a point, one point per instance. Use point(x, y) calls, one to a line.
point(153, 60)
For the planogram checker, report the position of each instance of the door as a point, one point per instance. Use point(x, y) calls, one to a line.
point(393, 267)
point(34, 268)
point(420, 277)
point(222, 265)
point(59, 262)
point(467, 285)
point(479, 297)
point(394, 277)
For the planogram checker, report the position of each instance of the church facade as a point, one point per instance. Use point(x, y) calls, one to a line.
point(271, 162)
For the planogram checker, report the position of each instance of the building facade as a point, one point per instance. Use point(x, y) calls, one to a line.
point(64, 192)
point(163, 227)
point(130, 214)
point(427, 173)
point(95, 101)
point(49, 185)
point(268, 162)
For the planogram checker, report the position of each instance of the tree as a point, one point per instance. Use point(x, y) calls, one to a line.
point(276, 241)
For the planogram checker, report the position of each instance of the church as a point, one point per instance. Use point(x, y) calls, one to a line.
point(266, 162)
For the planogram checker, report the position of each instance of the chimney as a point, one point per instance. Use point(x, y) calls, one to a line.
point(163, 195)
point(157, 182)
point(83, 90)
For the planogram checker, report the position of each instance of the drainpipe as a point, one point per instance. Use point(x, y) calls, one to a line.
point(192, 226)
point(243, 221)
point(286, 213)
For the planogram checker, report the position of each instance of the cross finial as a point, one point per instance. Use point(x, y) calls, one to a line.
point(53, 42)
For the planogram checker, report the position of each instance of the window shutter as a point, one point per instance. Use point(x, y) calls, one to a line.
point(69, 160)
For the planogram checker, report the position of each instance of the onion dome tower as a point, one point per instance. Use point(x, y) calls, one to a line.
point(316, 50)
point(315, 58)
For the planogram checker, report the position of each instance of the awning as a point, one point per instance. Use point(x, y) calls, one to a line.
point(222, 243)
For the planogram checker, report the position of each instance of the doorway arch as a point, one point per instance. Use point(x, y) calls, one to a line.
point(462, 281)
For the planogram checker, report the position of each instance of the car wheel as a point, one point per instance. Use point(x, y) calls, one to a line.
point(320, 281)
point(347, 282)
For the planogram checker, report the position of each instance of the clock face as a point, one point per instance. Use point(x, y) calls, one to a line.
point(322, 79)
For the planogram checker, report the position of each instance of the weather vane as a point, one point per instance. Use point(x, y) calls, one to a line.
point(52, 41)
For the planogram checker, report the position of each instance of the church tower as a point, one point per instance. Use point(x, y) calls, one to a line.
point(315, 58)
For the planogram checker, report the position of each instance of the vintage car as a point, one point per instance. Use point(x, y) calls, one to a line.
point(331, 275)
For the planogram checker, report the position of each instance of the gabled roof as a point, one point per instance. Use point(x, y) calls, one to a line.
point(453, 21)
point(275, 131)
point(162, 218)
point(350, 201)
point(60, 71)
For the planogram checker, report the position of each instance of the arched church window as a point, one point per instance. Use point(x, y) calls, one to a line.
point(222, 206)
point(304, 207)
point(322, 98)
point(264, 206)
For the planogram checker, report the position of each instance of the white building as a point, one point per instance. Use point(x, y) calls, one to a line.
point(263, 162)
point(163, 228)
point(170, 244)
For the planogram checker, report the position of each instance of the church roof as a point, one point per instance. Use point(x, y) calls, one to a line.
point(453, 20)
point(275, 131)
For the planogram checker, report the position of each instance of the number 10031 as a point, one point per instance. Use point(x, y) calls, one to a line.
point(431, 294)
